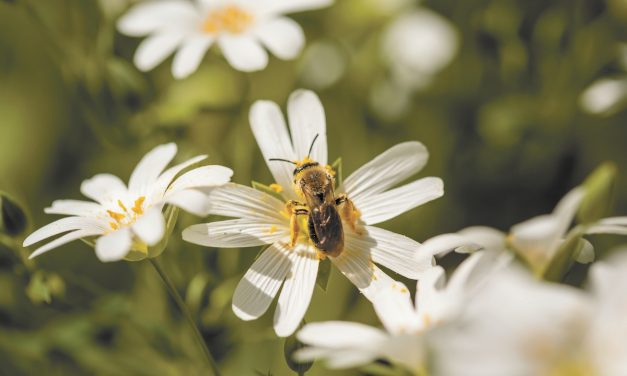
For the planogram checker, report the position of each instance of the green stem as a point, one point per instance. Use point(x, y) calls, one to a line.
point(188, 316)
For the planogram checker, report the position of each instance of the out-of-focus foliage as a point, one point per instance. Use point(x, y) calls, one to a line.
point(502, 122)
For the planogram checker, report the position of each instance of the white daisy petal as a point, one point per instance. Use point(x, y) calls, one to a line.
point(71, 236)
point(201, 177)
point(566, 209)
point(607, 229)
point(165, 179)
point(151, 16)
point(103, 188)
point(150, 227)
point(386, 170)
point(468, 239)
point(235, 233)
point(190, 200)
point(487, 237)
point(282, 36)
point(64, 225)
point(292, 6)
point(618, 221)
point(380, 207)
point(243, 52)
point(189, 56)
point(268, 126)
point(428, 286)
point(74, 207)
point(395, 309)
point(155, 49)
point(338, 334)
point(297, 290)
point(306, 118)
point(585, 252)
point(236, 200)
point(262, 281)
point(341, 358)
point(150, 167)
point(394, 251)
point(114, 246)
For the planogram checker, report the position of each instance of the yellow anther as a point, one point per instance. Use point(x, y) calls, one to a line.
point(120, 204)
point(231, 19)
point(272, 229)
point(276, 187)
point(138, 209)
point(115, 215)
point(114, 225)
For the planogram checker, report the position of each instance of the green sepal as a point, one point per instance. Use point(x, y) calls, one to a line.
point(139, 250)
point(43, 286)
point(337, 167)
point(13, 220)
point(266, 189)
point(324, 272)
point(292, 344)
point(564, 258)
point(599, 187)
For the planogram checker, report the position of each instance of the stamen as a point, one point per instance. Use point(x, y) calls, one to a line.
point(276, 187)
point(231, 19)
point(115, 215)
point(138, 209)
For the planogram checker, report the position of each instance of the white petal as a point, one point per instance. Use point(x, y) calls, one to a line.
point(260, 284)
point(155, 49)
point(202, 177)
point(341, 358)
point(607, 229)
point(386, 170)
point(468, 239)
point(282, 36)
point(150, 167)
point(428, 287)
point(395, 310)
point(236, 200)
point(103, 188)
point(476, 269)
point(307, 120)
point(243, 52)
point(165, 179)
point(151, 16)
point(64, 225)
point(292, 6)
point(71, 236)
point(567, 208)
point(338, 334)
point(394, 251)
point(380, 207)
point(537, 239)
point(74, 207)
point(150, 227)
point(235, 233)
point(619, 221)
point(189, 56)
point(114, 246)
point(585, 252)
point(487, 237)
point(297, 290)
point(190, 200)
point(268, 126)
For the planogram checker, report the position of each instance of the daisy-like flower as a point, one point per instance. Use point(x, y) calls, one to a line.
point(126, 221)
point(408, 328)
point(239, 27)
point(262, 218)
point(539, 240)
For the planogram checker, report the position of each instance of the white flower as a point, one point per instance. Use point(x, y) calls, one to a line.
point(537, 240)
point(605, 96)
point(130, 218)
point(262, 219)
point(239, 27)
point(409, 328)
point(417, 46)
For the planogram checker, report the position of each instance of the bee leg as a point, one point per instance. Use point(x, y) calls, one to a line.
point(348, 211)
point(294, 209)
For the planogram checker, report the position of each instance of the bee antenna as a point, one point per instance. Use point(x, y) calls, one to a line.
point(281, 160)
point(312, 144)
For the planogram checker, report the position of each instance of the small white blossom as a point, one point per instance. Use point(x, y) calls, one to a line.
point(262, 219)
point(241, 28)
point(130, 218)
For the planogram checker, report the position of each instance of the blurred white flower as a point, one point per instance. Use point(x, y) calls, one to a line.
point(263, 219)
point(408, 328)
point(605, 96)
point(130, 218)
point(417, 46)
point(239, 27)
point(520, 326)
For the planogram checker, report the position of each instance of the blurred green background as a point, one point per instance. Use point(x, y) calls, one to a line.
point(502, 121)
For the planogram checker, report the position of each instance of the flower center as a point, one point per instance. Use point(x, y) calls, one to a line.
point(126, 217)
point(231, 18)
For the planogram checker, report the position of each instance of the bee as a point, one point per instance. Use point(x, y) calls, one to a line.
point(315, 185)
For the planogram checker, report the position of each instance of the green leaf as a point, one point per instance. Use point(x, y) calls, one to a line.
point(337, 167)
point(13, 219)
point(267, 189)
point(292, 344)
point(599, 187)
point(324, 271)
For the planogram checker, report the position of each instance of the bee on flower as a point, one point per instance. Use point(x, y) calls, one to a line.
point(310, 219)
point(126, 221)
point(240, 28)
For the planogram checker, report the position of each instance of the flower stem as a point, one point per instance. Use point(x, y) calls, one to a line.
point(188, 316)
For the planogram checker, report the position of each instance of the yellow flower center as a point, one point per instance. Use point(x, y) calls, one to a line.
point(231, 18)
point(126, 217)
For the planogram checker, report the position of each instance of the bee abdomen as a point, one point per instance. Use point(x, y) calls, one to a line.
point(325, 230)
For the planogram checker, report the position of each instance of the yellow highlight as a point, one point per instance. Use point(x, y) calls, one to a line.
point(230, 19)
point(276, 187)
point(272, 229)
point(138, 205)
point(126, 218)
point(115, 215)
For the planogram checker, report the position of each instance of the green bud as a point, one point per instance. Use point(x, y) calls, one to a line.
point(12, 217)
point(599, 187)
point(43, 286)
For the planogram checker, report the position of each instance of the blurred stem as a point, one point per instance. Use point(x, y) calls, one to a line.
point(188, 316)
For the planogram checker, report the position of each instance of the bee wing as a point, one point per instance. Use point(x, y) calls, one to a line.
point(326, 224)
